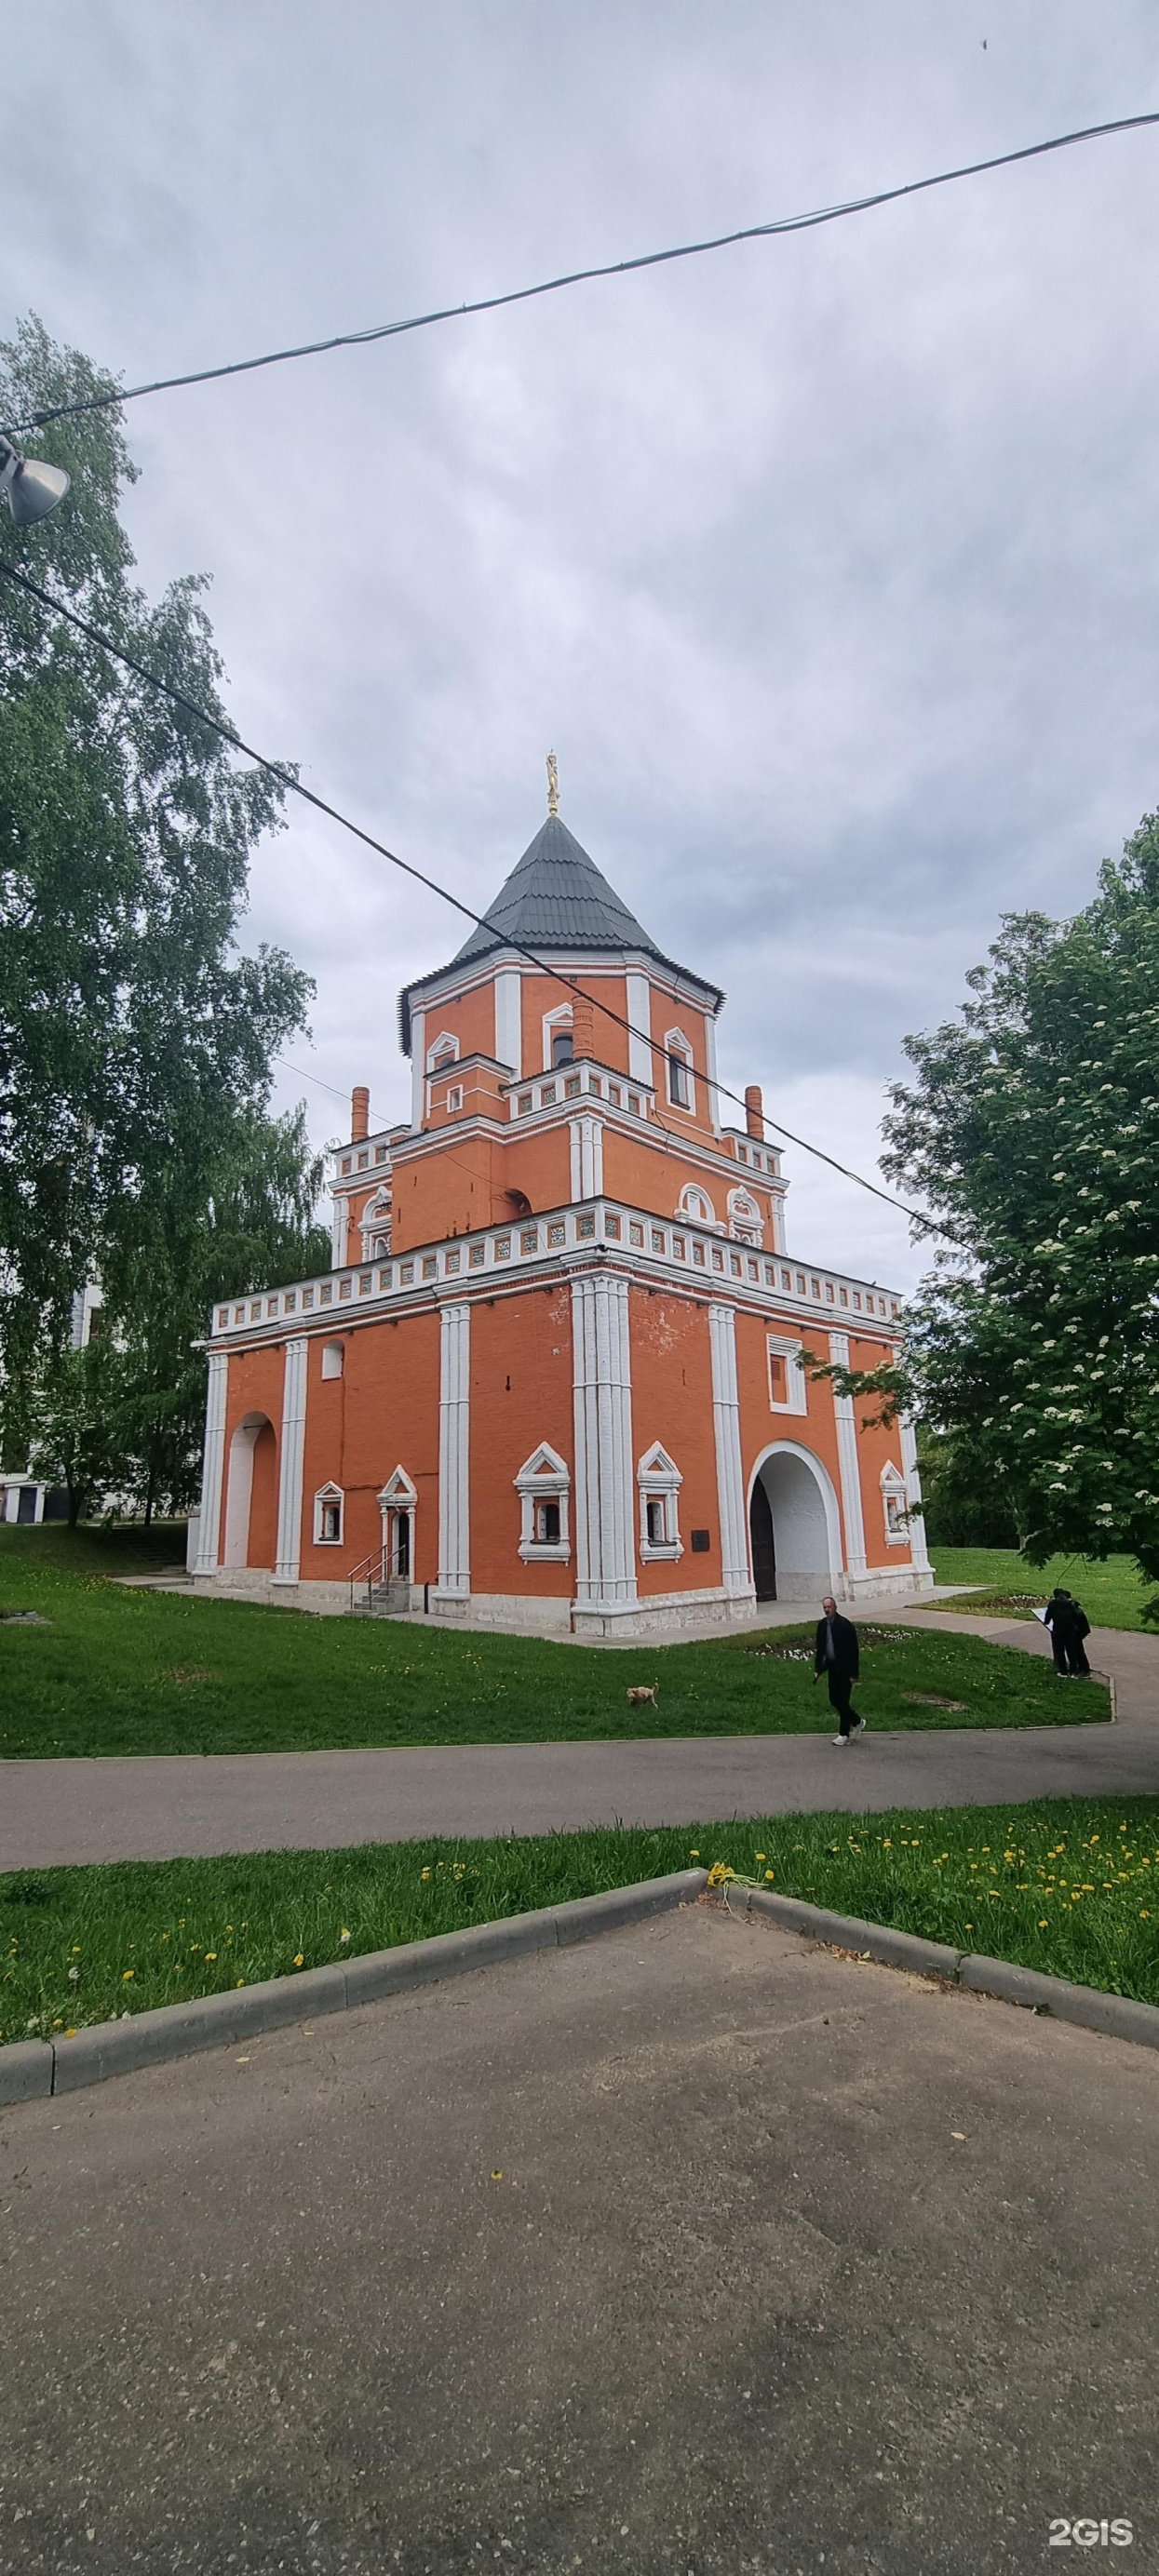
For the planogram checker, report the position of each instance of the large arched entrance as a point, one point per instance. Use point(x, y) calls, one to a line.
point(251, 1501)
point(794, 1526)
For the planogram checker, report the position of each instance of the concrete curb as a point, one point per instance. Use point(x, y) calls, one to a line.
point(1119, 2016)
point(31, 2070)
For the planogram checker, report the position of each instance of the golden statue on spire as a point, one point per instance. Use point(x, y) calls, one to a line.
point(552, 784)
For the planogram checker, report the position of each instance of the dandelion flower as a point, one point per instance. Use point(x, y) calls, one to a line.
point(210, 1955)
point(344, 1936)
point(299, 1959)
point(126, 1973)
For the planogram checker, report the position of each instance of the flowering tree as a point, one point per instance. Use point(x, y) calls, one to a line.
point(1032, 1130)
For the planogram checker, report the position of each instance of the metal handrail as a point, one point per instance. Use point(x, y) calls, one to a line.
point(371, 1570)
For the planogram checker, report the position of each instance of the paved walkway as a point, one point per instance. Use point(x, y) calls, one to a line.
point(161, 1806)
point(389, 2292)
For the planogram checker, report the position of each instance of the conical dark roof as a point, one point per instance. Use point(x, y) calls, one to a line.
point(556, 898)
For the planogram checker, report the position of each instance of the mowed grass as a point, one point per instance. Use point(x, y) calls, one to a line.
point(1065, 1885)
point(116, 1671)
point(1112, 1592)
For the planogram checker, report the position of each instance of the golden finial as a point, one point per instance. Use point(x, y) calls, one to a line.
point(552, 784)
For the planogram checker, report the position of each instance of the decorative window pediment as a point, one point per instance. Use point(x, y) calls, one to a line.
point(444, 1051)
point(696, 1204)
point(329, 1503)
point(744, 1217)
point(895, 1504)
point(681, 1080)
point(397, 1489)
point(659, 1481)
point(543, 1485)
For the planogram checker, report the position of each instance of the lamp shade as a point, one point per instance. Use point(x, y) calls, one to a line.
point(30, 487)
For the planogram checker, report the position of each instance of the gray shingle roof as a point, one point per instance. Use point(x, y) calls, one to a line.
point(555, 898)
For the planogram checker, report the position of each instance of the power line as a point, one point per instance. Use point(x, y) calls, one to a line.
point(583, 276)
point(568, 983)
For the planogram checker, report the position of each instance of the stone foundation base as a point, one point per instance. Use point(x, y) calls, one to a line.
point(533, 1614)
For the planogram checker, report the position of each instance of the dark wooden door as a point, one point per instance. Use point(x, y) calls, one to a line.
point(764, 1551)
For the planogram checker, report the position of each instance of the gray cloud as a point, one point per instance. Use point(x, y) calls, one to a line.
point(827, 565)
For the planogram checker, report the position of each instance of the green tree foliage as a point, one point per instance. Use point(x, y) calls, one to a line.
point(74, 1413)
point(1032, 1129)
point(135, 1039)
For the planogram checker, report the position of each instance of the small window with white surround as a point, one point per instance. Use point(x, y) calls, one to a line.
point(696, 1204)
point(788, 1387)
point(895, 1506)
point(678, 1066)
point(543, 1485)
point(454, 1098)
point(328, 1505)
point(444, 1051)
point(333, 1359)
point(659, 1480)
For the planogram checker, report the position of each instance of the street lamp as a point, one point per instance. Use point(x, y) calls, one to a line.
point(30, 488)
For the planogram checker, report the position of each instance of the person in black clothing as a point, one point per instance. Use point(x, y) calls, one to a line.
point(839, 1658)
point(1068, 1624)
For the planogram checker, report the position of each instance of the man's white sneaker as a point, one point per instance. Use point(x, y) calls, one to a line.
point(841, 1739)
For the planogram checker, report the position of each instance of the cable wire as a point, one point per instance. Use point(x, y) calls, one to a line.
point(582, 276)
point(569, 983)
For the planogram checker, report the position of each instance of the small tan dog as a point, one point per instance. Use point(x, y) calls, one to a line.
point(638, 1697)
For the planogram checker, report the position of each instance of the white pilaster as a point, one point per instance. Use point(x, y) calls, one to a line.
point(418, 1067)
point(293, 1453)
point(587, 1158)
point(213, 1463)
point(602, 1395)
point(509, 1019)
point(913, 1495)
point(710, 1048)
point(729, 1470)
point(855, 1558)
point(454, 1582)
point(338, 1234)
point(639, 1013)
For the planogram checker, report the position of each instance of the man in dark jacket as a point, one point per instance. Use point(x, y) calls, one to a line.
point(1068, 1624)
point(839, 1659)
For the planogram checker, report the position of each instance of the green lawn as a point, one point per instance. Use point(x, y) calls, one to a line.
point(116, 1671)
point(1112, 1592)
point(83, 1945)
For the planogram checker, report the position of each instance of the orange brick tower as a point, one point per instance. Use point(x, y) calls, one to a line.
point(554, 1377)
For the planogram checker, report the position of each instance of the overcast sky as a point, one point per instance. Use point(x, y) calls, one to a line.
point(827, 565)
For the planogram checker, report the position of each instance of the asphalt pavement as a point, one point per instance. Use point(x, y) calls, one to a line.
point(691, 2252)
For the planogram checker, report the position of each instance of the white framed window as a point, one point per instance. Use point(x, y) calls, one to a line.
point(696, 1204)
point(444, 1051)
point(744, 1217)
point(680, 1077)
point(558, 1039)
point(543, 1485)
point(328, 1506)
point(788, 1386)
point(454, 1098)
point(333, 1359)
point(659, 1481)
point(375, 1225)
point(895, 1506)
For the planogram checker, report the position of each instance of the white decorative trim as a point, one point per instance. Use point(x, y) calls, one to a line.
point(293, 1452)
point(659, 1480)
point(677, 1045)
point(544, 1477)
point(710, 1050)
point(729, 1475)
point(638, 992)
point(213, 1463)
point(454, 1582)
point(509, 1019)
point(418, 1079)
point(333, 1359)
point(397, 1502)
point(338, 1232)
point(894, 1504)
point(328, 1494)
point(856, 1562)
point(562, 1017)
point(796, 1399)
point(443, 1051)
point(695, 1205)
point(602, 1396)
point(239, 1489)
point(745, 1222)
point(913, 1485)
point(587, 1158)
point(375, 1222)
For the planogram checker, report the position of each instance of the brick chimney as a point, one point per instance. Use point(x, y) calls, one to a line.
point(583, 1025)
point(754, 1110)
point(360, 1113)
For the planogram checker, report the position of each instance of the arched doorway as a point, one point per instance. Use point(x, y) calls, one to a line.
point(251, 1501)
point(794, 1526)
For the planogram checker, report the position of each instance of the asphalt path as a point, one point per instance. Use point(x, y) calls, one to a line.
point(166, 1806)
point(693, 2251)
